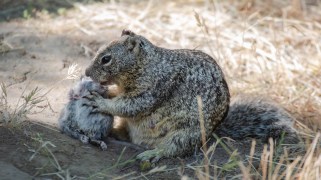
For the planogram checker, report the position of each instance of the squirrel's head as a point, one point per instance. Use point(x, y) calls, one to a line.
point(119, 57)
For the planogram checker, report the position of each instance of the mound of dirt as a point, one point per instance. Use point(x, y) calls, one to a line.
point(38, 150)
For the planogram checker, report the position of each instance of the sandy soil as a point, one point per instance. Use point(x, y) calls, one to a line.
point(42, 60)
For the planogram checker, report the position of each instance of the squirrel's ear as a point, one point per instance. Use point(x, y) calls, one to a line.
point(133, 44)
point(127, 32)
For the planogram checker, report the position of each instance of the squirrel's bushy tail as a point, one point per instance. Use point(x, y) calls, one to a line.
point(258, 118)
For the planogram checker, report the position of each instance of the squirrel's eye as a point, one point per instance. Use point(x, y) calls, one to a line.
point(105, 59)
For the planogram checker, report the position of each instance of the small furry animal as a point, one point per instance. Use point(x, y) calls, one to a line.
point(158, 104)
point(78, 120)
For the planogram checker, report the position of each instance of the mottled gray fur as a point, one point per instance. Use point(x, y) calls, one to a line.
point(159, 105)
point(160, 86)
point(78, 120)
point(259, 118)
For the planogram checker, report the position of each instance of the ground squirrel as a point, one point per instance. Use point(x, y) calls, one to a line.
point(77, 119)
point(158, 104)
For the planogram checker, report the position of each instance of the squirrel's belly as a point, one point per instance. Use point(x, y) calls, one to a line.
point(149, 131)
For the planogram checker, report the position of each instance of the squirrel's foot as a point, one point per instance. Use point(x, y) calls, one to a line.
point(153, 155)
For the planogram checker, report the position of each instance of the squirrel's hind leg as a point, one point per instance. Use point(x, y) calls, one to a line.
point(180, 143)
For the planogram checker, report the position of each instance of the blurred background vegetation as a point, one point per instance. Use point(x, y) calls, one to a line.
point(27, 8)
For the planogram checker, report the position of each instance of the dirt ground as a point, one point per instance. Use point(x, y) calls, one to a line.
point(18, 159)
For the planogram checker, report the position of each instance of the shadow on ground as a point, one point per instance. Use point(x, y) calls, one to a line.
point(27, 8)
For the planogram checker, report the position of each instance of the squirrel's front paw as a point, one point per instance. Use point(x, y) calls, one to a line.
point(153, 155)
point(96, 101)
point(88, 103)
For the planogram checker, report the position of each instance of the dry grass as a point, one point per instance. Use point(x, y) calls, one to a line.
point(282, 167)
point(270, 48)
point(12, 114)
point(45, 149)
